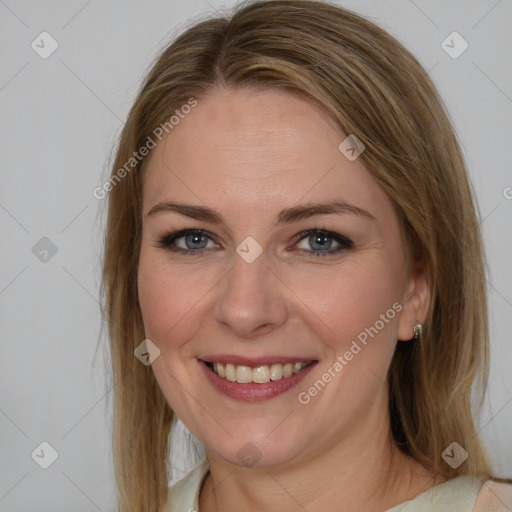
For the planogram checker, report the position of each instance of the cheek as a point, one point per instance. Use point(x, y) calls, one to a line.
point(152, 301)
point(355, 300)
point(169, 301)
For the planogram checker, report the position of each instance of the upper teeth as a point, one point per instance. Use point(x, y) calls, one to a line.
point(259, 375)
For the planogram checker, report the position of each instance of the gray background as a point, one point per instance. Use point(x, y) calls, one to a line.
point(60, 118)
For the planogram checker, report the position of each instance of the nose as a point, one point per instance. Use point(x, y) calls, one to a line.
point(252, 300)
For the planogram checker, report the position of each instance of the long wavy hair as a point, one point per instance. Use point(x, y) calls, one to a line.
point(372, 87)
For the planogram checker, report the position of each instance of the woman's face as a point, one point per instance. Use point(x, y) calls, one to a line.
point(259, 294)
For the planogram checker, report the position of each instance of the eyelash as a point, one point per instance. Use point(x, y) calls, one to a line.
point(166, 241)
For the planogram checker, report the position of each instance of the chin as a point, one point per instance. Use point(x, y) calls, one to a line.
point(257, 449)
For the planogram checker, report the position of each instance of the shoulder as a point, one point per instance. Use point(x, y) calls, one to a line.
point(461, 494)
point(183, 495)
point(494, 497)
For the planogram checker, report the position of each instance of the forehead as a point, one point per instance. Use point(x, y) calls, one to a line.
point(250, 149)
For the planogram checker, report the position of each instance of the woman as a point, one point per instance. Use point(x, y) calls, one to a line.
point(293, 256)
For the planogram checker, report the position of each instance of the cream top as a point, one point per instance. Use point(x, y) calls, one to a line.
point(460, 494)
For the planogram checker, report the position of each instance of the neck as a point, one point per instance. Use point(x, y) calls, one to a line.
point(362, 471)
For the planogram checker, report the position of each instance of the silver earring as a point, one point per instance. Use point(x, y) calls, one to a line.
point(417, 328)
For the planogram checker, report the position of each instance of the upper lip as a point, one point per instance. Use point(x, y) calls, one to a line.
point(254, 361)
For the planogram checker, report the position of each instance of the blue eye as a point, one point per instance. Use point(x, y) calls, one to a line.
point(320, 239)
point(196, 242)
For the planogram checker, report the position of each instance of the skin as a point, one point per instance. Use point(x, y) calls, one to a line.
point(249, 154)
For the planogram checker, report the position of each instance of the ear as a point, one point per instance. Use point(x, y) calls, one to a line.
point(415, 306)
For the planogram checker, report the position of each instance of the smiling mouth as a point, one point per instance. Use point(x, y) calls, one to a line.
point(258, 375)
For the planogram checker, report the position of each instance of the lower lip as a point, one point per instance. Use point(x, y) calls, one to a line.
point(252, 392)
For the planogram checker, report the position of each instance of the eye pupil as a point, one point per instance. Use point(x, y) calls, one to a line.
point(321, 241)
point(195, 239)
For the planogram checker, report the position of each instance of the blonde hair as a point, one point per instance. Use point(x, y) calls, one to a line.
point(371, 86)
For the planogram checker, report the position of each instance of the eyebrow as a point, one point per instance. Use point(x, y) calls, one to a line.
point(286, 216)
